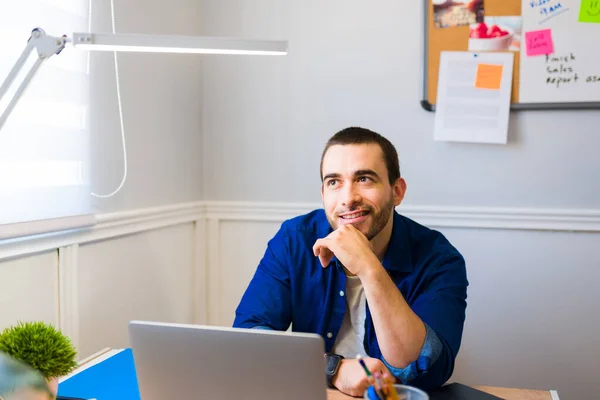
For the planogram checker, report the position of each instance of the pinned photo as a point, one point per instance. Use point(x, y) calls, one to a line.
point(496, 34)
point(450, 13)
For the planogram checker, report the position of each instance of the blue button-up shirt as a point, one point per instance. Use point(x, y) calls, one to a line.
point(291, 287)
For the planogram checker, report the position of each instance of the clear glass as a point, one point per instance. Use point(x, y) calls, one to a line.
point(406, 393)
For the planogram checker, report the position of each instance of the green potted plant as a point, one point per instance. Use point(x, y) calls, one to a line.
point(41, 346)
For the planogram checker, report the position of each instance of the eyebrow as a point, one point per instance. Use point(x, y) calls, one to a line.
point(360, 172)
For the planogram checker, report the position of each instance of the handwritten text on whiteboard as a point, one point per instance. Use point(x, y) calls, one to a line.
point(547, 9)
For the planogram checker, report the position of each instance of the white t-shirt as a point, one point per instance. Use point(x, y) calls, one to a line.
point(349, 342)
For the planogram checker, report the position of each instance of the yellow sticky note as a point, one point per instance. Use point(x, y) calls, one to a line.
point(589, 11)
point(489, 76)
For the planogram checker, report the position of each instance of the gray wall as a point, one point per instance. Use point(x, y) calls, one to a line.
point(161, 98)
point(265, 120)
point(531, 320)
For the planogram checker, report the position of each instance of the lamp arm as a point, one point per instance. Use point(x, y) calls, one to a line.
point(46, 47)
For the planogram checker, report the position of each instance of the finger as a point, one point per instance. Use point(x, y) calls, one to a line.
point(382, 367)
point(325, 256)
point(317, 247)
point(319, 244)
point(321, 249)
point(388, 377)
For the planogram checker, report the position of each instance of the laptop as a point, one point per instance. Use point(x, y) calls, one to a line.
point(181, 361)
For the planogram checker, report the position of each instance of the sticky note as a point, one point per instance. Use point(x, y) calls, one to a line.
point(589, 11)
point(489, 76)
point(539, 42)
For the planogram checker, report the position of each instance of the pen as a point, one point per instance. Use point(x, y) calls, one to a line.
point(375, 389)
point(371, 391)
point(362, 362)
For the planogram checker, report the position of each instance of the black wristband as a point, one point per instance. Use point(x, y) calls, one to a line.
point(332, 364)
point(330, 381)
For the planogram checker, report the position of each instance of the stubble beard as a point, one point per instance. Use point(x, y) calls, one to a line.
point(379, 220)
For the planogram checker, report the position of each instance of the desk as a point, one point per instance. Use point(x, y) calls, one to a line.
point(122, 373)
point(505, 393)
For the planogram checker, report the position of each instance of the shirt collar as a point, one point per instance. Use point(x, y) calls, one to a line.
point(397, 255)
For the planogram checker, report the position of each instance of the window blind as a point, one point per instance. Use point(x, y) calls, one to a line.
point(44, 146)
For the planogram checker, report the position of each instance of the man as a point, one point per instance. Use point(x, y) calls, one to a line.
point(370, 281)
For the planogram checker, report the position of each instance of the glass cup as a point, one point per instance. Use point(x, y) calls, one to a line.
point(406, 393)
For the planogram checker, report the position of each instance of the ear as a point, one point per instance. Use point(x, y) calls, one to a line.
point(399, 191)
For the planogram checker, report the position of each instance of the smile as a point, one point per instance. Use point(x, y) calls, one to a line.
point(354, 217)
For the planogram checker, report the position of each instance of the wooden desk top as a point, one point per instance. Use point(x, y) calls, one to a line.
point(505, 393)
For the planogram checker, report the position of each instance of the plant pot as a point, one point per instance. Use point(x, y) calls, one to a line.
point(53, 385)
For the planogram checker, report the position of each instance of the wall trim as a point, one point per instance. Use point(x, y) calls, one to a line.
point(571, 220)
point(111, 225)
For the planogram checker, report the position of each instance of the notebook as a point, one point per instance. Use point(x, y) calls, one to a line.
point(458, 391)
point(113, 378)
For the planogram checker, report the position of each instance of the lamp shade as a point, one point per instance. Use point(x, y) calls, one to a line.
point(176, 44)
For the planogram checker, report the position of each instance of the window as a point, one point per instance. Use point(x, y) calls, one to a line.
point(44, 145)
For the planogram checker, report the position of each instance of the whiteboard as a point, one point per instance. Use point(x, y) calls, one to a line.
point(572, 72)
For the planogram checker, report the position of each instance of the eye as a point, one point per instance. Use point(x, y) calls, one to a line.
point(331, 182)
point(365, 179)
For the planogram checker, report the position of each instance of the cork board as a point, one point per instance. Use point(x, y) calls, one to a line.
point(440, 36)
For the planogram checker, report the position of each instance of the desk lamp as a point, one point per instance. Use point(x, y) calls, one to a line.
point(47, 46)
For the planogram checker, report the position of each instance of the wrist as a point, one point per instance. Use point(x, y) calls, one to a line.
point(371, 270)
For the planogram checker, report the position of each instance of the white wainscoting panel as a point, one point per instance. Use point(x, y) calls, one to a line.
point(29, 289)
point(532, 310)
point(241, 246)
point(68, 286)
point(147, 276)
point(200, 270)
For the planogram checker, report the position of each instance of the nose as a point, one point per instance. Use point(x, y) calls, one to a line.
point(350, 195)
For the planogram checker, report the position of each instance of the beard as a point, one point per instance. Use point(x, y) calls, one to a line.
point(378, 219)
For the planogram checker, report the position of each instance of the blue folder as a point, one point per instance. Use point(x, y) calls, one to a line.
point(113, 378)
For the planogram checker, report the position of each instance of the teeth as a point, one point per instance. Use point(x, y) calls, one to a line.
point(356, 215)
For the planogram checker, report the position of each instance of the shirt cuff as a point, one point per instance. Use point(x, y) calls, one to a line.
point(265, 328)
point(432, 347)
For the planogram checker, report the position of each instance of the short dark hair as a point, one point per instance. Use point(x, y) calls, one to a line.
point(357, 135)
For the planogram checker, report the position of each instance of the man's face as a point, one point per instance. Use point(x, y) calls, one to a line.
point(356, 188)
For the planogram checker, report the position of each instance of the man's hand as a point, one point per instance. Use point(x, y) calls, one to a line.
point(350, 246)
point(351, 378)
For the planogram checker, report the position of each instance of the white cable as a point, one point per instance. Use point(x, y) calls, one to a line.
point(87, 67)
point(87, 71)
point(112, 15)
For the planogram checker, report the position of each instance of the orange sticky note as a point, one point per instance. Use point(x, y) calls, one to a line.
point(489, 76)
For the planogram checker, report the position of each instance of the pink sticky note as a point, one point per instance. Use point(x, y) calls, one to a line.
point(539, 42)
